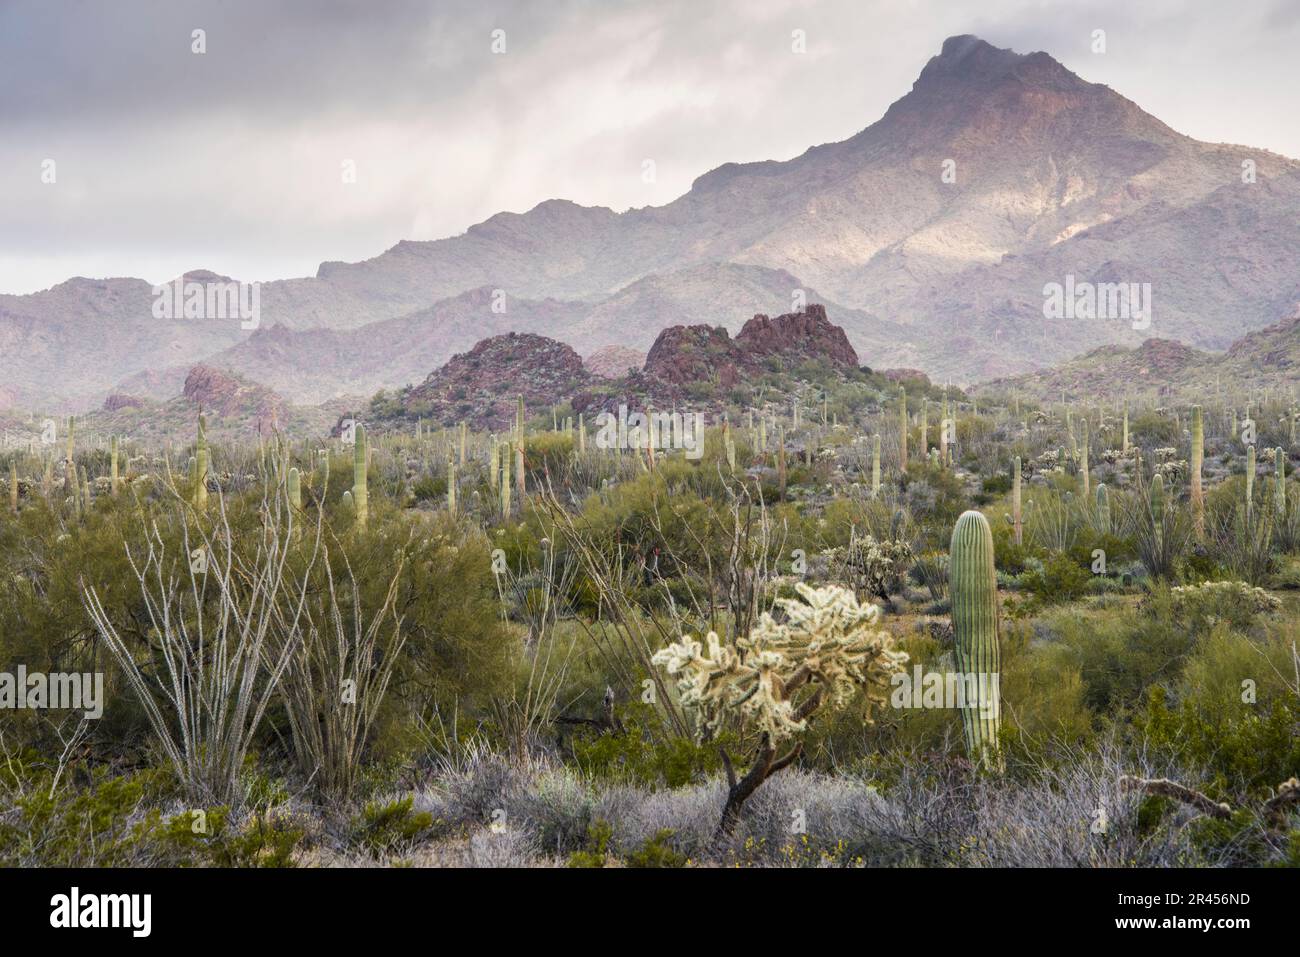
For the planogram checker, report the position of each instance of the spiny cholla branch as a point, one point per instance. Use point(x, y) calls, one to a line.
point(828, 640)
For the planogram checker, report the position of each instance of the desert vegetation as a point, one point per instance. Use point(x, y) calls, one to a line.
point(864, 622)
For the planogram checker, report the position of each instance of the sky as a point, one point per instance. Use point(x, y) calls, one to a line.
point(124, 152)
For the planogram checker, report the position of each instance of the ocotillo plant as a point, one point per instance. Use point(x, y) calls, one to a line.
point(1016, 517)
point(360, 491)
point(1194, 464)
point(1103, 509)
point(902, 428)
point(201, 465)
point(875, 466)
point(974, 591)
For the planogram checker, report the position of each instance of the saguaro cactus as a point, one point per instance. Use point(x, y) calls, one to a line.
point(13, 485)
point(519, 471)
point(1124, 448)
point(1103, 509)
point(1279, 488)
point(114, 480)
point(294, 483)
point(1195, 464)
point(974, 591)
point(504, 481)
point(201, 465)
point(1017, 519)
point(902, 428)
point(1250, 483)
point(1083, 459)
point(360, 492)
point(925, 426)
point(780, 459)
point(69, 469)
point(451, 485)
point(875, 466)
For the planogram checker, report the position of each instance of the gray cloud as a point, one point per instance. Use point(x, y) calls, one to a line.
point(231, 160)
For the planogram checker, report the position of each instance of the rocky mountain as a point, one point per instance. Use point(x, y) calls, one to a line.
point(614, 362)
point(932, 235)
point(66, 348)
point(1268, 359)
point(483, 386)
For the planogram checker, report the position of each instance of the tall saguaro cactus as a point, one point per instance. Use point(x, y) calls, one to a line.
point(1083, 459)
point(13, 485)
point(294, 483)
point(451, 485)
point(902, 428)
point(360, 491)
point(70, 469)
point(113, 478)
point(974, 590)
point(1103, 509)
point(201, 462)
point(1250, 484)
point(1279, 478)
point(1195, 464)
point(875, 466)
point(1017, 518)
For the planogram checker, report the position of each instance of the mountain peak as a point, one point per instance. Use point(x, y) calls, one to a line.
point(968, 55)
point(968, 58)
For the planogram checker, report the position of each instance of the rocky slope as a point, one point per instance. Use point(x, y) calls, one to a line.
point(483, 386)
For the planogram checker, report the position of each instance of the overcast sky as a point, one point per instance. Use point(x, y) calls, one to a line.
point(167, 160)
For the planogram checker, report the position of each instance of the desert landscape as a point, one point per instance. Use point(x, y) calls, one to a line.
point(927, 499)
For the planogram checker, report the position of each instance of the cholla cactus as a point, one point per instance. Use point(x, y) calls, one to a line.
point(781, 675)
point(828, 644)
point(873, 567)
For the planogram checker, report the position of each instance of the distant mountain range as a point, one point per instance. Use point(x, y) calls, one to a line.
point(1267, 360)
point(929, 236)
